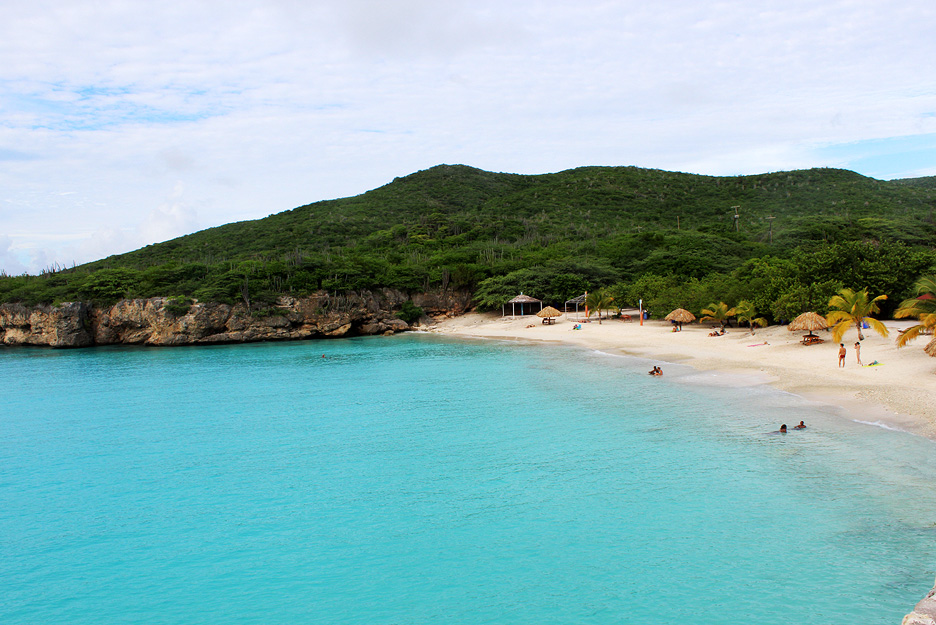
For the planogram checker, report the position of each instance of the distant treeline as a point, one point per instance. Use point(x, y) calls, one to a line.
point(785, 241)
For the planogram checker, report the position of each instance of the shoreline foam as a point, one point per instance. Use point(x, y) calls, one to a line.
point(901, 394)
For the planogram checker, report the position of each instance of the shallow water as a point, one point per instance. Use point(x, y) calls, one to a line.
point(414, 479)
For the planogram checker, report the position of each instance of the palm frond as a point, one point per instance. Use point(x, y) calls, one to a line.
point(909, 334)
point(836, 316)
point(876, 325)
point(839, 329)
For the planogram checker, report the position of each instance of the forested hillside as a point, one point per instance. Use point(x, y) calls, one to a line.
point(783, 240)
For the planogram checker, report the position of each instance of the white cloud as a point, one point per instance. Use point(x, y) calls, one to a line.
point(254, 108)
point(10, 261)
point(173, 218)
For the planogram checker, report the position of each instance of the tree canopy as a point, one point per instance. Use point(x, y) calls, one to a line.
point(668, 238)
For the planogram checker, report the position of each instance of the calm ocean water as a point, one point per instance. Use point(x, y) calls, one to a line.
point(419, 480)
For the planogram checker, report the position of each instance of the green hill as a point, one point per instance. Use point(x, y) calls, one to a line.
point(463, 228)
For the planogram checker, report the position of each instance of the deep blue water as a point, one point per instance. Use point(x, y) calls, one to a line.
point(412, 479)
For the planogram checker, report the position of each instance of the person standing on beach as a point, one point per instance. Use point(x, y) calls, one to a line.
point(841, 354)
point(858, 351)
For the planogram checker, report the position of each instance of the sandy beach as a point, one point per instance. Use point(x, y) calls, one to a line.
point(900, 392)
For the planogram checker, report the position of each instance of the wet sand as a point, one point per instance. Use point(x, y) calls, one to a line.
point(900, 392)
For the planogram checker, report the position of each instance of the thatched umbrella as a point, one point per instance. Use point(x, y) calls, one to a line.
point(680, 316)
point(548, 313)
point(808, 321)
point(931, 348)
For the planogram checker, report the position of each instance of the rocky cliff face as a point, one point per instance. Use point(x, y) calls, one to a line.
point(925, 612)
point(157, 322)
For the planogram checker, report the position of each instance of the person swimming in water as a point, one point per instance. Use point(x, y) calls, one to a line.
point(783, 429)
point(801, 426)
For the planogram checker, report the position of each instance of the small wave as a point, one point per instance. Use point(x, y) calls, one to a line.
point(879, 424)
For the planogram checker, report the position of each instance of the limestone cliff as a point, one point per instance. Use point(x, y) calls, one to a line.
point(160, 321)
point(925, 611)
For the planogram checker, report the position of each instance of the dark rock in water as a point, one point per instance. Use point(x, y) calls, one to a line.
point(397, 325)
point(374, 328)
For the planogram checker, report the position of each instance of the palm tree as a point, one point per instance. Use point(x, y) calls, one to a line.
point(854, 308)
point(745, 311)
point(717, 312)
point(597, 301)
point(923, 307)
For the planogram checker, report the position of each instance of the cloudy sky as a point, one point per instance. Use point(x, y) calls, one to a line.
point(124, 122)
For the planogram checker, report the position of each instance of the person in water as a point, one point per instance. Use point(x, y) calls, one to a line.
point(656, 371)
point(801, 426)
point(783, 429)
point(841, 354)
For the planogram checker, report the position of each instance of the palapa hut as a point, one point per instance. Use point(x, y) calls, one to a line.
point(809, 321)
point(548, 314)
point(680, 316)
point(522, 300)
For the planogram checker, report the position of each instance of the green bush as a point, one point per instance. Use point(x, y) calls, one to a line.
point(410, 312)
point(177, 306)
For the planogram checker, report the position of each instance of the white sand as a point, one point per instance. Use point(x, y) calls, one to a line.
point(901, 392)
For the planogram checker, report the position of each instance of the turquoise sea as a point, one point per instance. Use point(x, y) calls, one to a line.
point(413, 479)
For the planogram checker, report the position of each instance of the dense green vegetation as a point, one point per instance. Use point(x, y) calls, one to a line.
point(671, 239)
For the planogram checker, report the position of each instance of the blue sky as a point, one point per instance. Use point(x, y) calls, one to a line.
point(124, 123)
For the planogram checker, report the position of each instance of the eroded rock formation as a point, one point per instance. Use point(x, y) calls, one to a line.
point(157, 321)
point(925, 611)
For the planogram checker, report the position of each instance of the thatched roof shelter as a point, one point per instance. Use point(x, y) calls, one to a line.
point(548, 314)
point(680, 315)
point(808, 321)
point(521, 300)
point(930, 348)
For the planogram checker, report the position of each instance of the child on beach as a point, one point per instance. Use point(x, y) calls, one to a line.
point(858, 351)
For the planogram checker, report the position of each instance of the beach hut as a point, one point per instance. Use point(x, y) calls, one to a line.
point(521, 300)
point(548, 314)
point(680, 316)
point(809, 321)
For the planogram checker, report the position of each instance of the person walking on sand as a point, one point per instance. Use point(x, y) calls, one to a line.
point(858, 352)
point(841, 354)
